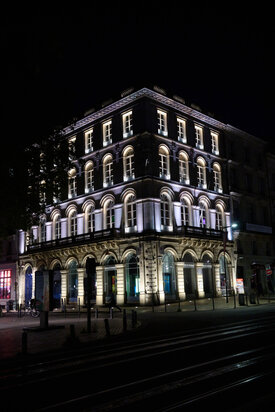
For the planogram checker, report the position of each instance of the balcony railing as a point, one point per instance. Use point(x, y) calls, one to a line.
point(184, 231)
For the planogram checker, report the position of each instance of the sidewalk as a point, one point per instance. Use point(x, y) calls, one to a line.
point(12, 327)
point(58, 334)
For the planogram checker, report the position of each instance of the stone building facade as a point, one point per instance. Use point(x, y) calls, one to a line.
point(147, 197)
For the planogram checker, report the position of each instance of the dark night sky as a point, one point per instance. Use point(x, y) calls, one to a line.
point(58, 63)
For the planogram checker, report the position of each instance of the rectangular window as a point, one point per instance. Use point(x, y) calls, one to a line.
point(127, 120)
point(107, 133)
point(5, 284)
point(199, 137)
point(90, 180)
point(215, 143)
point(162, 123)
point(89, 141)
point(181, 126)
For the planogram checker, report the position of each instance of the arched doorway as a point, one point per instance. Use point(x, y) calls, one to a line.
point(72, 282)
point(207, 274)
point(56, 285)
point(169, 276)
point(91, 277)
point(110, 278)
point(132, 278)
point(190, 284)
point(28, 284)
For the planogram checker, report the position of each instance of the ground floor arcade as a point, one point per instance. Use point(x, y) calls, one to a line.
point(139, 272)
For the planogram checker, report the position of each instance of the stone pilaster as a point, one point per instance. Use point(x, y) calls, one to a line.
point(81, 274)
point(99, 285)
point(64, 284)
point(180, 280)
point(199, 266)
point(217, 279)
point(120, 297)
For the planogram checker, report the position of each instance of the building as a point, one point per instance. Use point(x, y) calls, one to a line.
point(147, 196)
point(250, 168)
point(8, 272)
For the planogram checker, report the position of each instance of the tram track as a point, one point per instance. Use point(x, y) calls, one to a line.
point(108, 356)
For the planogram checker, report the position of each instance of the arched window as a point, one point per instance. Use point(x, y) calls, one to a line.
point(168, 271)
point(203, 214)
point(183, 168)
point(108, 213)
point(165, 211)
point(201, 169)
point(89, 177)
point(217, 177)
point(108, 170)
point(43, 229)
point(72, 282)
point(219, 217)
point(185, 212)
point(72, 223)
point(128, 164)
point(164, 166)
point(57, 226)
point(90, 219)
point(130, 212)
point(72, 190)
point(132, 278)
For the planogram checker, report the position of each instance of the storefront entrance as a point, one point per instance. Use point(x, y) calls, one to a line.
point(110, 279)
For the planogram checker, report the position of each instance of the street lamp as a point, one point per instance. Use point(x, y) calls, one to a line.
point(233, 226)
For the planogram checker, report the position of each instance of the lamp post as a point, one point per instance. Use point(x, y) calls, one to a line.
point(233, 226)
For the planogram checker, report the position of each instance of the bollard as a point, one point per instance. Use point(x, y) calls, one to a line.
point(195, 303)
point(124, 321)
point(234, 296)
point(133, 318)
point(111, 313)
point(96, 313)
point(107, 327)
point(24, 343)
point(213, 302)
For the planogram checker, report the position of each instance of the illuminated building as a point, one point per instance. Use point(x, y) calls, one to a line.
point(146, 196)
point(8, 272)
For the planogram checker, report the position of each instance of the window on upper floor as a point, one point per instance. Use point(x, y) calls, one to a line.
point(185, 212)
point(215, 142)
point(201, 170)
point(128, 164)
point(89, 141)
point(90, 219)
point(203, 214)
point(57, 226)
point(89, 177)
point(199, 137)
point(130, 213)
point(184, 168)
point(217, 177)
point(107, 133)
point(165, 211)
point(72, 223)
point(42, 226)
point(164, 164)
point(127, 121)
point(72, 190)
point(162, 123)
point(219, 217)
point(108, 170)
point(181, 127)
point(108, 214)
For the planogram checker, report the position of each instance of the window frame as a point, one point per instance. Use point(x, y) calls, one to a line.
point(127, 122)
point(89, 140)
point(199, 136)
point(107, 132)
point(162, 122)
point(181, 130)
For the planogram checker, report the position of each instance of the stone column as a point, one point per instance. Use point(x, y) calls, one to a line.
point(199, 266)
point(64, 284)
point(81, 275)
point(34, 269)
point(142, 296)
point(180, 280)
point(99, 285)
point(217, 279)
point(120, 272)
